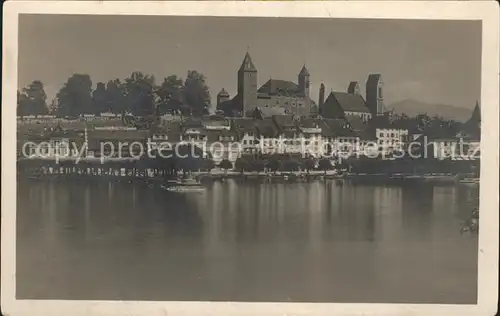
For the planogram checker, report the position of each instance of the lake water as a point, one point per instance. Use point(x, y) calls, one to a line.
point(242, 241)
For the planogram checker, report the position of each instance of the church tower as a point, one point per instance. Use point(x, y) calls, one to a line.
point(354, 88)
point(321, 99)
point(304, 82)
point(374, 94)
point(247, 85)
point(222, 96)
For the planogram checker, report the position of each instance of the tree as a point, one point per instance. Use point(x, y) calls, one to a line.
point(325, 164)
point(196, 93)
point(291, 165)
point(75, 97)
point(99, 99)
point(170, 95)
point(32, 100)
point(115, 96)
point(139, 94)
point(257, 165)
point(226, 165)
point(308, 164)
point(242, 164)
point(273, 164)
point(208, 164)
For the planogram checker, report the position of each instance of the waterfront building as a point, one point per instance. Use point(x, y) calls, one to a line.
point(389, 138)
point(246, 133)
point(213, 135)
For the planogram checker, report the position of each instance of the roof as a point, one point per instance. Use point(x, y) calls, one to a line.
point(353, 87)
point(279, 87)
point(266, 128)
point(351, 102)
point(337, 127)
point(269, 111)
point(247, 64)
point(357, 123)
point(285, 120)
point(223, 93)
point(243, 125)
point(338, 103)
point(304, 71)
point(472, 126)
point(373, 78)
point(308, 122)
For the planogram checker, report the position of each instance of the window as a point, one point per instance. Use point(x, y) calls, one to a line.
point(380, 92)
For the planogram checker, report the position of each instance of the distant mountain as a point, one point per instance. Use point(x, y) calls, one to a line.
point(412, 107)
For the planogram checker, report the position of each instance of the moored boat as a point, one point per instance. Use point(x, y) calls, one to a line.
point(184, 185)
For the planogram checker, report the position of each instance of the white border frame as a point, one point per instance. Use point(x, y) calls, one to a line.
point(488, 12)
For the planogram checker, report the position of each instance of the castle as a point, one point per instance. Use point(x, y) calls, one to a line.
point(272, 98)
point(277, 97)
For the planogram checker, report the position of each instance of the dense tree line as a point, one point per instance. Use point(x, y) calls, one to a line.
point(138, 94)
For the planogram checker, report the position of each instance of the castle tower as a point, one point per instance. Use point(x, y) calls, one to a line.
point(321, 99)
point(304, 82)
point(247, 84)
point(222, 96)
point(354, 88)
point(374, 94)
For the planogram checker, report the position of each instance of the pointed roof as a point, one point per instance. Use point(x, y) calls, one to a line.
point(223, 92)
point(346, 102)
point(247, 64)
point(476, 114)
point(473, 125)
point(304, 71)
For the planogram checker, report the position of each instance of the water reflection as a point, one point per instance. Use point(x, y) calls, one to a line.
point(319, 241)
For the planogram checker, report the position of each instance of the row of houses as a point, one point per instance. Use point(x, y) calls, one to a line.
point(229, 138)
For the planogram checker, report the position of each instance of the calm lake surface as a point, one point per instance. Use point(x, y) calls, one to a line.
point(242, 241)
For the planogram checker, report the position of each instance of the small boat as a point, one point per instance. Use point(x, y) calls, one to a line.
point(185, 185)
point(185, 189)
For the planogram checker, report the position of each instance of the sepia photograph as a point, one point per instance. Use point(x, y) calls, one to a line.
point(287, 158)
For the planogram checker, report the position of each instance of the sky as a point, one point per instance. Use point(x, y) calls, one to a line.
point(429, 61)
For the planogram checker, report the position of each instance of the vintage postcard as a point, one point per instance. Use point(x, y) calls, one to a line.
point(250, 158)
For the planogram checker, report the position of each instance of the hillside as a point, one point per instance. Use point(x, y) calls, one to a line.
point(413, 107)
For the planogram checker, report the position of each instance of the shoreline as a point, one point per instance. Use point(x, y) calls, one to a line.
point(282, 177)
